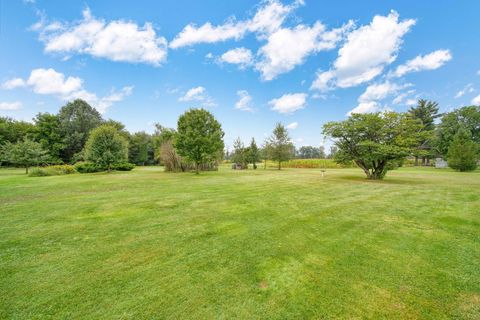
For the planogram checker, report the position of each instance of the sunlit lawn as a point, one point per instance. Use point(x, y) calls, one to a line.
point(240, 244)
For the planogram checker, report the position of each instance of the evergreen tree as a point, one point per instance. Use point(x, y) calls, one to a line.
point(280, 146)
point(463, 152)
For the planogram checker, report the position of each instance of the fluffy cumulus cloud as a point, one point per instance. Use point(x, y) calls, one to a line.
point(289, 103)
point(369, 100)
point(51, 82)
point(10, 105)
point(239, 56)
point(430, 61)
point(13, 83)
point(287, 48)
point(365, 53)
point(244, 102)
point(467, 89)
point(198, 94)
point(476, 100)
point(115, 40)
point(268, 18)
point(292, 126)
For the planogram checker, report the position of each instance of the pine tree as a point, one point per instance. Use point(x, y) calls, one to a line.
point(463, 152)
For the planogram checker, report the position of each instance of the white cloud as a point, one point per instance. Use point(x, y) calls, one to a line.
point(401, 97)
point(430, 61)
point(244, 103)
point(467, 89)
point(268, 18)
point(117, 40)
point(379, 91)
point(369, 100)
point(287, 48)
point(411, 102)
point(198, 94)
point(50, 82)
point(13, 83)
point(289, 103)
point(476, 100)
point(10, 105)
point(292, 125)
point(365, 107)
point(366, 52)
point(241, 56)
point(193, 94)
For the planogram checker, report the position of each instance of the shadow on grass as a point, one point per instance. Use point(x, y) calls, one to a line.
point(386, 180)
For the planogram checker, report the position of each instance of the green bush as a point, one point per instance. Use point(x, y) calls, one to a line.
point(39, 172)
point(55, 170)
point(88, 167)
point(124, 166)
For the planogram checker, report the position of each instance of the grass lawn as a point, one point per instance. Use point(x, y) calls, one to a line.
point(240, 244)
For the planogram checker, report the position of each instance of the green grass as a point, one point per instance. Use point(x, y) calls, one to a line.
point(240, 244)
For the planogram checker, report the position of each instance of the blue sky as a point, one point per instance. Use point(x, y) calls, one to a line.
point(250, 63)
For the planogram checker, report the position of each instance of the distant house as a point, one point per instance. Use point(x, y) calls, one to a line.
point(441, 163)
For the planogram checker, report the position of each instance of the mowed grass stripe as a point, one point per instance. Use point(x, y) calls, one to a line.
point(240, 244)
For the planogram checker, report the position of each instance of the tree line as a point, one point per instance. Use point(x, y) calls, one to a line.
point(375, 142)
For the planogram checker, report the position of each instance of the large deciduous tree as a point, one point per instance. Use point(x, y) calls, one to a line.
point(77, 119)
point(280, 146)
point(425, 111)
point(375, 141)
point(106, 147)
point(24, 153)
point(199, 137)
point(49, 134)
point(463, 151)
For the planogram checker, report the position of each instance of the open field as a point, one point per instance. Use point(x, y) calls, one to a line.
point(240, 244)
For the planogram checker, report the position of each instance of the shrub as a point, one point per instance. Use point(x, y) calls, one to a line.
point(55, 170)
point(124, 166)
point(39, 172)
point(88, 167)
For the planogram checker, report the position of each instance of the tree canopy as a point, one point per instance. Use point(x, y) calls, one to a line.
point(77, 119)
point(463, 151)
point(279, 145)
point(24, 153)
point(106, 147)
point(374, 141)
point(199, 137)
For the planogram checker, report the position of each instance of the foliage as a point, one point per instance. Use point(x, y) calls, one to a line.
point(253, 155)
point(55, 170)
point(88, 167)
point(466, 117)
point(279, 146)
point(77, 119)
point(463, 152)
point(14, 131)
point(106, 147)
point(49, 134)
point(316, 164)
point(140, 148)
point(239, 154)
point(24, 153)
point(123, 166)
point(309, 152)
point(171, 160)
point(199, 137)
point(426, 112)
point(374, 140)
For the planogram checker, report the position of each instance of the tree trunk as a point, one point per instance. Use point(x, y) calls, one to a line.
point(265, 165)
point(197, 165)
point(26, 170)
point(279, 165)
point(416, 161)
point(423, 161)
